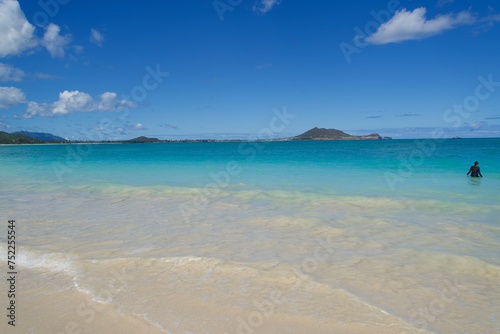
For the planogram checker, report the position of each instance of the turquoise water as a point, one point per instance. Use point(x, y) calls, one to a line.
point(404, 224)
point(337, 167)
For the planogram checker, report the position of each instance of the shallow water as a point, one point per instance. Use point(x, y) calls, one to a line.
point(279, 237)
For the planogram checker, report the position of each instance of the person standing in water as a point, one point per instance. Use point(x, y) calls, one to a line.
point(474, 170)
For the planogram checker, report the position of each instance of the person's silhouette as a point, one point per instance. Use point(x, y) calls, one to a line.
point(474, 170)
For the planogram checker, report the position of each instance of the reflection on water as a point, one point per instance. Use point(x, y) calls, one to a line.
point(474, 181)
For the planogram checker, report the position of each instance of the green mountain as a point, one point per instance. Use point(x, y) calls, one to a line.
point(332, 134)
point(143, 139)
point(42, 136)
point(17, 138)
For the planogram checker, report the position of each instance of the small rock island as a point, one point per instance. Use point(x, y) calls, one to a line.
point(334, 134)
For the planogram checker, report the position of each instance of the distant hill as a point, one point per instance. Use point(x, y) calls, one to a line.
point(17, 138)
point(45, 137)
point(143, 139)
point(333, 134)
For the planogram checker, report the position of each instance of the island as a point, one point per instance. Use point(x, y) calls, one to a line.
point(334, 134)
point(142, 140)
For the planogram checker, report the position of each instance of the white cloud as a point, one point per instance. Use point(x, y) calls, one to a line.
point(110, 102)
point(139, 126)
point(75, 101)
point(11, 96)
point(96, 37)
point(264, 6)
point(18, 35)
point(40, 109)
point(10, 73)
point(410, 25)
point(16, 31)
point(54, 42)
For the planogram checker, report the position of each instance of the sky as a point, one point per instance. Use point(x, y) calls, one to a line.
point(104, 70)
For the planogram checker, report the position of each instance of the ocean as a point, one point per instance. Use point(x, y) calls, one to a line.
point(385, 236)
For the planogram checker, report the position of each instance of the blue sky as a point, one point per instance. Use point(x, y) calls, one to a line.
point(225, 68)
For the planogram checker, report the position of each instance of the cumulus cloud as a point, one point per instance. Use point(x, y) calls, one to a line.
point(10, 73)
point(111, 102)
point(17, 33)
point(54, 42)
point(264, 6)
point(75, 101)
point(34, 108)
point(411, 25)
point(96, 37)
point(11, 96)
